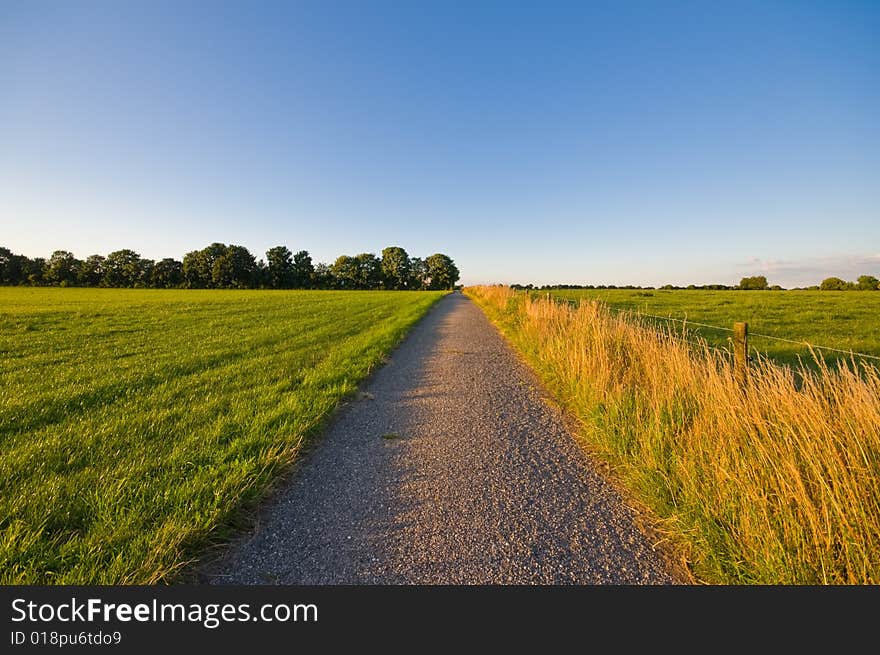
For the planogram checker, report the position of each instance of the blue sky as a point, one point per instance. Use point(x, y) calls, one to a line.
point(619, 142)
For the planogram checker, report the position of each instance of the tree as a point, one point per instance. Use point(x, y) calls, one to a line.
point(442, 271)
point(122, 268)
point(198, 266)
point(236, 268)
point(33, 271)
point(12, 267)
point(205, 260)
point(835, 284)
point(192, 277)
point(167, 274)
point(144, 273)
point(229, 266)
point(61, 268)
point(395, 267)
point(756, 283)
point(91, 271)
point(281, 271)
point(303, 271)
point(369, 271)
point(868, 283)
point(245, 271)
point(346, 272)
point(322, 277)
point(418, 274)
point(6, 276)
point(262, 280)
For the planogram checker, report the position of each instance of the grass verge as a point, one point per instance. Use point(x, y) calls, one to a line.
point(766, 482)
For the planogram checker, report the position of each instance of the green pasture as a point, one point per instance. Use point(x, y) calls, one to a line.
point(136, 426)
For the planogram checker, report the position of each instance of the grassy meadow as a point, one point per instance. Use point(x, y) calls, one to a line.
point(845, 320)
point(775, 480)
point(136, 425)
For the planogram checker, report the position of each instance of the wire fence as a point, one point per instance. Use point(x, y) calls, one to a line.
point(686, 323)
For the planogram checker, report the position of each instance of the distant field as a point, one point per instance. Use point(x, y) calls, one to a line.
point(136, 424)
point(846, 320)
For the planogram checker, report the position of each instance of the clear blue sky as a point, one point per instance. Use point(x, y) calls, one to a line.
point(619, 142)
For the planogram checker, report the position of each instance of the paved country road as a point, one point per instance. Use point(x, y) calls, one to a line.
point(482, 483)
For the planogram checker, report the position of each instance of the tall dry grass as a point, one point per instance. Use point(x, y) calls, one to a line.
point(773, 481)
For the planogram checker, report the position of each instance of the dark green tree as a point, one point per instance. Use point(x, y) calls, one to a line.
point(835, 284)
point(234, 269)
point(263, 281)
point(145, 273)
point(346, 272)
point(395, 267)
point(167, 274)
point(207, 261)
point(868, 283)
point(192, 277)
point(91, 271)
point(322, 277)
point(34, 271)
point(61, 268)
point(122, 268)
point(303, 271)
point(369, 271)
point(12, 267)
point(281, 272)
point(418, 274)
point(756, 283)
point(198, 266)
point(232, 266)
point(442, 271)
point(6, 274)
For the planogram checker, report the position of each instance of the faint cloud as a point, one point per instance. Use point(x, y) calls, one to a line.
point(811, 270)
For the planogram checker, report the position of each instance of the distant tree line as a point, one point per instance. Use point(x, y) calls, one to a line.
point(864, 283)
point(221, 266)
point(755, 283)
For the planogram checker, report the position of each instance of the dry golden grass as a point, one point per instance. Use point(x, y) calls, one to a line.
point(774, 481)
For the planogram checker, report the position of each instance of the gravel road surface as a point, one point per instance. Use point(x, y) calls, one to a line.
point(448, 468)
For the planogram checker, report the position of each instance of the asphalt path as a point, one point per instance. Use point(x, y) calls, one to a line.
point(449, 467)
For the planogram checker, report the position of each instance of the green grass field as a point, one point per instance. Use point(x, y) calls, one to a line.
point(838, 319)
point(137, 425)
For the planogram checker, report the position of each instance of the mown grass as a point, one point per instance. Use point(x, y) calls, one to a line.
point(839, 319)
point(774, 481)
point(135, 425)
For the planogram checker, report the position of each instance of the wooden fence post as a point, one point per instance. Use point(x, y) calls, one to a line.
point(741, 350)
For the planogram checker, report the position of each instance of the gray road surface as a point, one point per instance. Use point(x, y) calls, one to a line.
point(482, 485)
